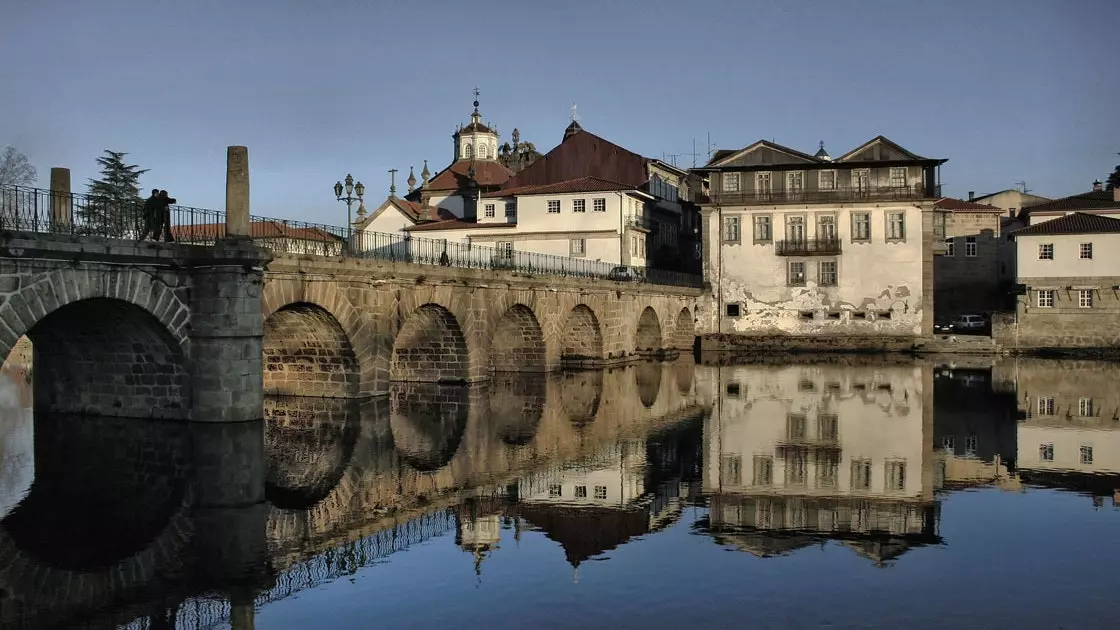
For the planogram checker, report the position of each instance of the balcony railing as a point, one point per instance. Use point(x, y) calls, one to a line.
point(639, 221)
point(808, 247)
point(881, 193)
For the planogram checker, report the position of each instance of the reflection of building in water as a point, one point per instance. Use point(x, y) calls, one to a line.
point(973, 432)
point(1069, 427)
point(795, 454)
point(17, 442)
point(479, 530)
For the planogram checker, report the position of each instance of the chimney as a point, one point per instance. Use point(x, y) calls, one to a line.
point(971, 195)
point(1097, 186)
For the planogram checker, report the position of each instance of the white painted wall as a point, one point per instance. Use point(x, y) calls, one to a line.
point(621, 471)
point(1067, 443)
point(1067, 250)
point(390, 221)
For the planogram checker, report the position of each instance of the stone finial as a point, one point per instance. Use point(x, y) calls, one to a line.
point(237, 191)
point(515, 136)
point(424, 174)
point(61, 200)
point(361, 210)
point(411, 180)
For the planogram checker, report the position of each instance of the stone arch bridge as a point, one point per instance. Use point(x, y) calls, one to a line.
point(200, 333)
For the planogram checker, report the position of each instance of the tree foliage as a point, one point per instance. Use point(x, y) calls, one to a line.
point(15, 169)
point(114, 207)
point(1113, 179)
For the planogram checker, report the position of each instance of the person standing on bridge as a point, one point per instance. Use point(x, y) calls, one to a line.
point(164, 217)
point(148, 215)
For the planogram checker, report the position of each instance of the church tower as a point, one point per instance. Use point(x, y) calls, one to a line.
point(476, 141)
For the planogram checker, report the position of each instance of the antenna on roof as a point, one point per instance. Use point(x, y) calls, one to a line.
point(709, 146)
point(1022, 187)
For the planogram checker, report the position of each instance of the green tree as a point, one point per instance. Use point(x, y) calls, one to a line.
point(114, 205)
point(1113, 179)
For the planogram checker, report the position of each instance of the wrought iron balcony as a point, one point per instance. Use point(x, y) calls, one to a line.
point(808, 247)
point(846, 194)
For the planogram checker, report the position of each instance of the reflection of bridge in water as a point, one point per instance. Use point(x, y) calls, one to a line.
point(170, 533)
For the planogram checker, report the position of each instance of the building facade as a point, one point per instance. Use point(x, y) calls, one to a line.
point(799, 245)
point(966, 276)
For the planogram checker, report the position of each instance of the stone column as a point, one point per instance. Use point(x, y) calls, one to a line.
point(61, 200)
point(237, 191)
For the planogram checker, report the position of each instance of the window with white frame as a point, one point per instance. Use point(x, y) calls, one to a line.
point(581, 492)
point(861, 180)
point(732, 469)
point(579, 205)
point(1087, 455)
point(796, 274)
point(555, 490)
point(1086, 251)
point(1085, 298)
point(826, 227)
point(763, 471)
point(826, 273)
point(861, 474)
point(895, 476)
point(554, 206)
point(577, 246)
point(730, 182)
point(795, 228)
point(896, 226)
point(467, 151)
point(1044, 298)
point(599, 204)
point(1046, 251)
point(950, 247)
point(1045, 405)
point(795, 183)
point(971, 444)
point(762, 183)
point(601, 492)
point(898, 177)
point(763, 232)
point(489, 210)
point(861, 226)
point(826, 180)
point(1085, 407)
point(483, 151)
point(730, 229)
point(1046, 452)
point(948, 443)
point(970, 246)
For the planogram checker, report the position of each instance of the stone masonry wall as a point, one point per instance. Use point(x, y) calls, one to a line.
point(1066, 324)
point(307, 353)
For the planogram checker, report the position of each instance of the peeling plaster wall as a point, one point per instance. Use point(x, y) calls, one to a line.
point(872, 278)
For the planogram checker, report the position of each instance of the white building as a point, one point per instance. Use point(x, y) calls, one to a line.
point(808, 246)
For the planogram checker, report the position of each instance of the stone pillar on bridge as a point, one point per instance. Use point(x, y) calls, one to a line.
point(61, 201)
point(237, 191)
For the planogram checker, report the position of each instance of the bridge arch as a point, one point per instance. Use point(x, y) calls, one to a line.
point(648, 380)
point(580, 396)
point(309, 443)
point(427, 421)
point(307, 353)
point(581, 336)
point(647, 338)
point(430, 348)
point(684, 333)
point(517, 406)
point(517, 344)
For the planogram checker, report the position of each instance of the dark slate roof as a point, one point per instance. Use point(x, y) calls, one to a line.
point(949, 203)
point(1094, 200)
point(582, 184)
point(1076, 223)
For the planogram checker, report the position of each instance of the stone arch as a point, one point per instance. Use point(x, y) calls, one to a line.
point(648, 378)
point(684, 371)
point(685, 330)
point(581, 335)
point(430, 348)
point(307, 353)
point(647, 339)
point(427, 421)
point(517, 406)
point(580, 396)
point(517, 344)
point(308, 444)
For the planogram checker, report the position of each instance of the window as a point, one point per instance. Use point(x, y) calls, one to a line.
point(1086, 251)
point(948, 443)
point(763, 471)
point(599, 205)
point(641, 246)
point(505, 250)
point(828, 470)
point(861, 226)
point(483, 151)
point(950, 247)
point(1046, 251)
point(467, 151)
point(581, 492)
point(489, 210)
point(730, 229)
point(554, 206)
point(600, 492)
point(898, 177)
point(579, 205)
point(861, 474)
point(1045, 298)
point(795, 228)
point(796, 427)
point(1087, 455)
point(554, 490)
point(826, 227)
point(795, 468)
point(762, 183)
point(1045, 406)
point(1085, 298)
point(896, 476)
point(896, 226)
point(511, 209)
point(733, 310)
point(730, 182)
point(970, 246)
point(826, 180)
point(762, 231)
point(1085, 407)
point(826, 273)
point(733, 390)
point(578, 246)
point(971, 443)
point(828, 427)
point(732, 470)
point(1046, 452)
point(797, 274)
point(861, 180)
point(795, 183)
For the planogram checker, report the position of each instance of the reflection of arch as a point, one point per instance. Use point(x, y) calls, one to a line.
point(580, 395)
point(518, 343)
point(427, 421)
point(685, 330)
point(308, 444)
point(430, 348)
point(648, 338)
point(684, 370)
point(306, 352)
point(517, 406)
point(582, 337)
point(105, 356)
point(648, 377)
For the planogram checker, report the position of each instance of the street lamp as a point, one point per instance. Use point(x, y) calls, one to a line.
point(350, 188)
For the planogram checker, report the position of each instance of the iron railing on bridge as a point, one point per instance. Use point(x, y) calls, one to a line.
point(45, 211)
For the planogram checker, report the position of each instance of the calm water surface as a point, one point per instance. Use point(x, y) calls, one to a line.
point(869, 493)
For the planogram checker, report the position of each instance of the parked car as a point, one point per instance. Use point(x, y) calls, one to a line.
point(970, 321)
point(942, 328)
point(623, 274)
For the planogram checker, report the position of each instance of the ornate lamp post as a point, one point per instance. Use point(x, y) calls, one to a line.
point(350, 189)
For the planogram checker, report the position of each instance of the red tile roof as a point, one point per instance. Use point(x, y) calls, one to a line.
point(949, 203)
point(456, 224)
point(454, 177)
point(1094, 200)
point(583, 184)
point(268, 228)
point(1075, 223)
point(584, 154)
point(420, 213)
point(475, 127)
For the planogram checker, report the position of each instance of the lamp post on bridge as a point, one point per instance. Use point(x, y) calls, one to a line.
point(351, 189)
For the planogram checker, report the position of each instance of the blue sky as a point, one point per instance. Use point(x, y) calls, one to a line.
point(1007, 90)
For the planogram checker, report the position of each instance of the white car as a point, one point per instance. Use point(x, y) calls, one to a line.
point(970, 322)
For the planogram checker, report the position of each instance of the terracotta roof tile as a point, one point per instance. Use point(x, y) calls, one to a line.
point(1094, 200)
point(1075, 223)
point(949, 203)
point(454, 177)
point(582, 184)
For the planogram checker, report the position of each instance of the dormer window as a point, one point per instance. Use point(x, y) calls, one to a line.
point(467, 151)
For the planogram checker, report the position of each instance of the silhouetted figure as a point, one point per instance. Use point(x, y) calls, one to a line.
point(165, 216)
point(444, 260)
point(149, 216)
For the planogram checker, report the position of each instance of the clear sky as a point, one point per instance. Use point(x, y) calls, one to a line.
point(1007, 90)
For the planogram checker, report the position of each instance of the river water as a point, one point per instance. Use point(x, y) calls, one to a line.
point(838, 493)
